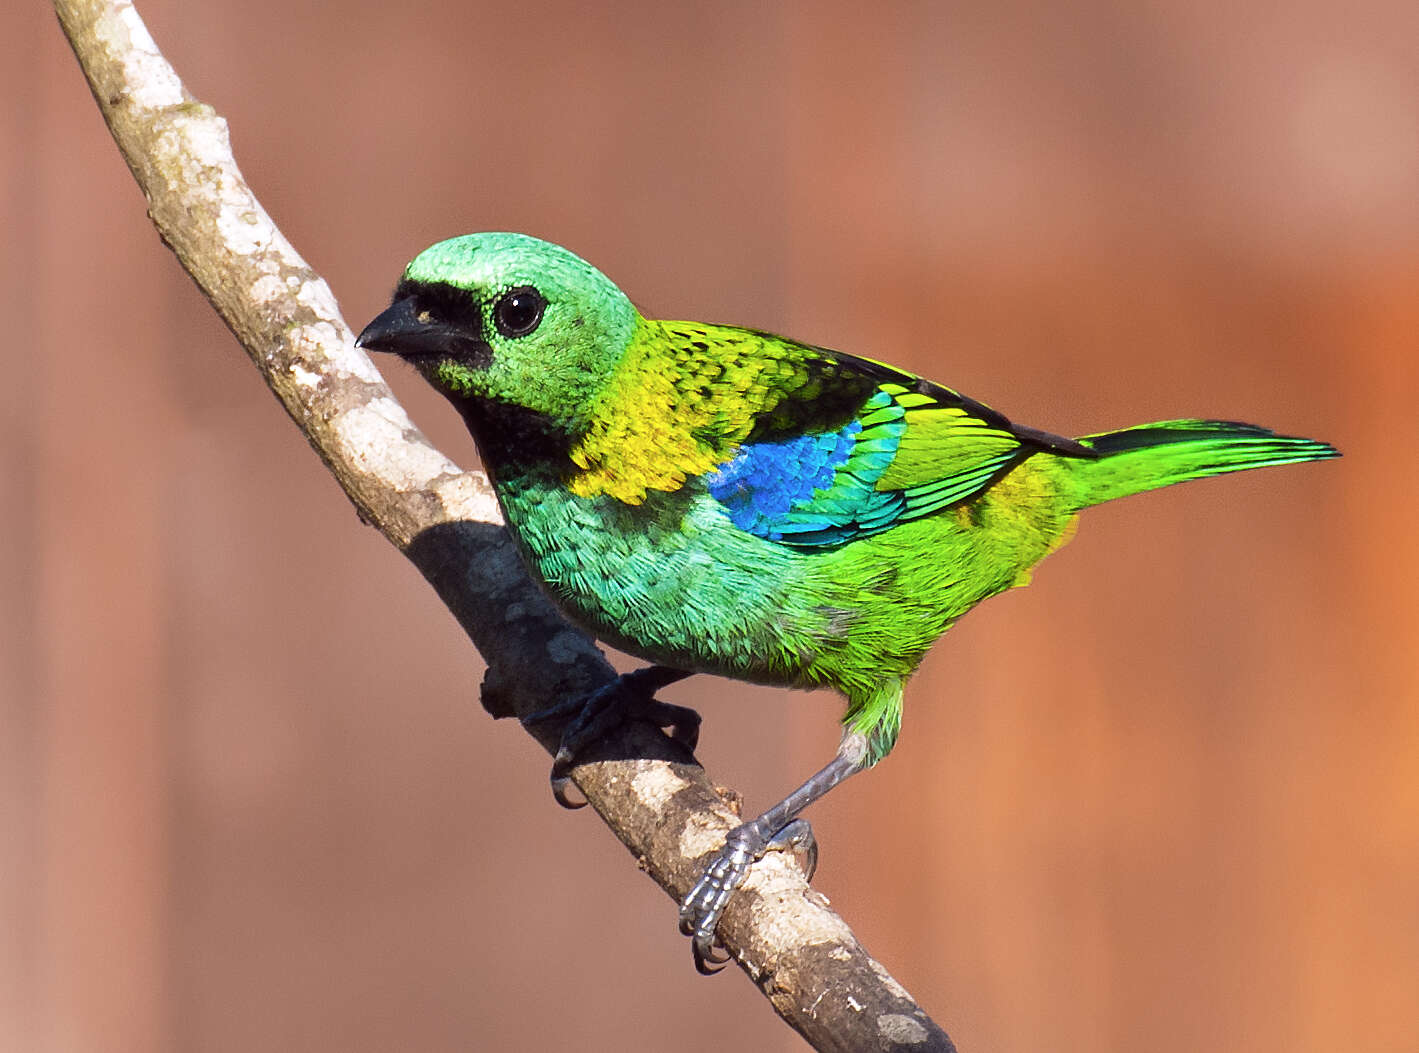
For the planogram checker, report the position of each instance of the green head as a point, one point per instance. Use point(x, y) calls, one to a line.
point(508, 318)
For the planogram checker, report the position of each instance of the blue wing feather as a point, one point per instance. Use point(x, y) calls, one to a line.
point(911, 450)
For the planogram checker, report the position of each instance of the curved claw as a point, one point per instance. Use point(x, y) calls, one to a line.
point(775, 830)
point(797, 837)
point(683, 722)
point(562, 780)
point(629, 697)
point(707, 963)
point(746, 845)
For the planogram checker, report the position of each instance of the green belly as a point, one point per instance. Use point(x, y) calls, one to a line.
point(673, 581)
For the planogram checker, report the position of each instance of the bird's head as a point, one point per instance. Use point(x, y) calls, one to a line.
point(508, 318)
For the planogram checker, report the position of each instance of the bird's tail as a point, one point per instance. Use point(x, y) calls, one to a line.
point(1174, 451)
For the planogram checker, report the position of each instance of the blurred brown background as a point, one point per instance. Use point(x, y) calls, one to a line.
point(1165, 799)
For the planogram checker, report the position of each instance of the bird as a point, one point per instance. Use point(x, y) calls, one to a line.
point(718, 499)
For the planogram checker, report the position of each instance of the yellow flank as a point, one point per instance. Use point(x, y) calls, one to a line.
point(1042, 483)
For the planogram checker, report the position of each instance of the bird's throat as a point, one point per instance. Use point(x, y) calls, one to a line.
point(516, 440)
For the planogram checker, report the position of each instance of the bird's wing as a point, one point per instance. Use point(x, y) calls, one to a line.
point(909, 448)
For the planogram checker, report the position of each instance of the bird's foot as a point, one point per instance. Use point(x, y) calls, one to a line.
point(743, 847)
point(630, 696)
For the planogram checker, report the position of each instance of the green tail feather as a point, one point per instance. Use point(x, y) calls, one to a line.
point(1174, 451)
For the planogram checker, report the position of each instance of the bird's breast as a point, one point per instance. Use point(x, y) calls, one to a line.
point(669, 579)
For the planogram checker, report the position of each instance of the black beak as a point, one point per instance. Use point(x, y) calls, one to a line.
point(410, 333)
point(392, 329)
point(399, 331)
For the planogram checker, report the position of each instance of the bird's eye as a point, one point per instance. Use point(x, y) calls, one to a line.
point(518, 311)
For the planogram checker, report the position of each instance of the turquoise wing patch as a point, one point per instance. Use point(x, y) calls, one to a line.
point(906, 454)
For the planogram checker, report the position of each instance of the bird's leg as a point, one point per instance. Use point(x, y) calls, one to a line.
point(778, 829)
point(630, 696)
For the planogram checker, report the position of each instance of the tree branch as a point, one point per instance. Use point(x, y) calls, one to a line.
point(651, 794)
